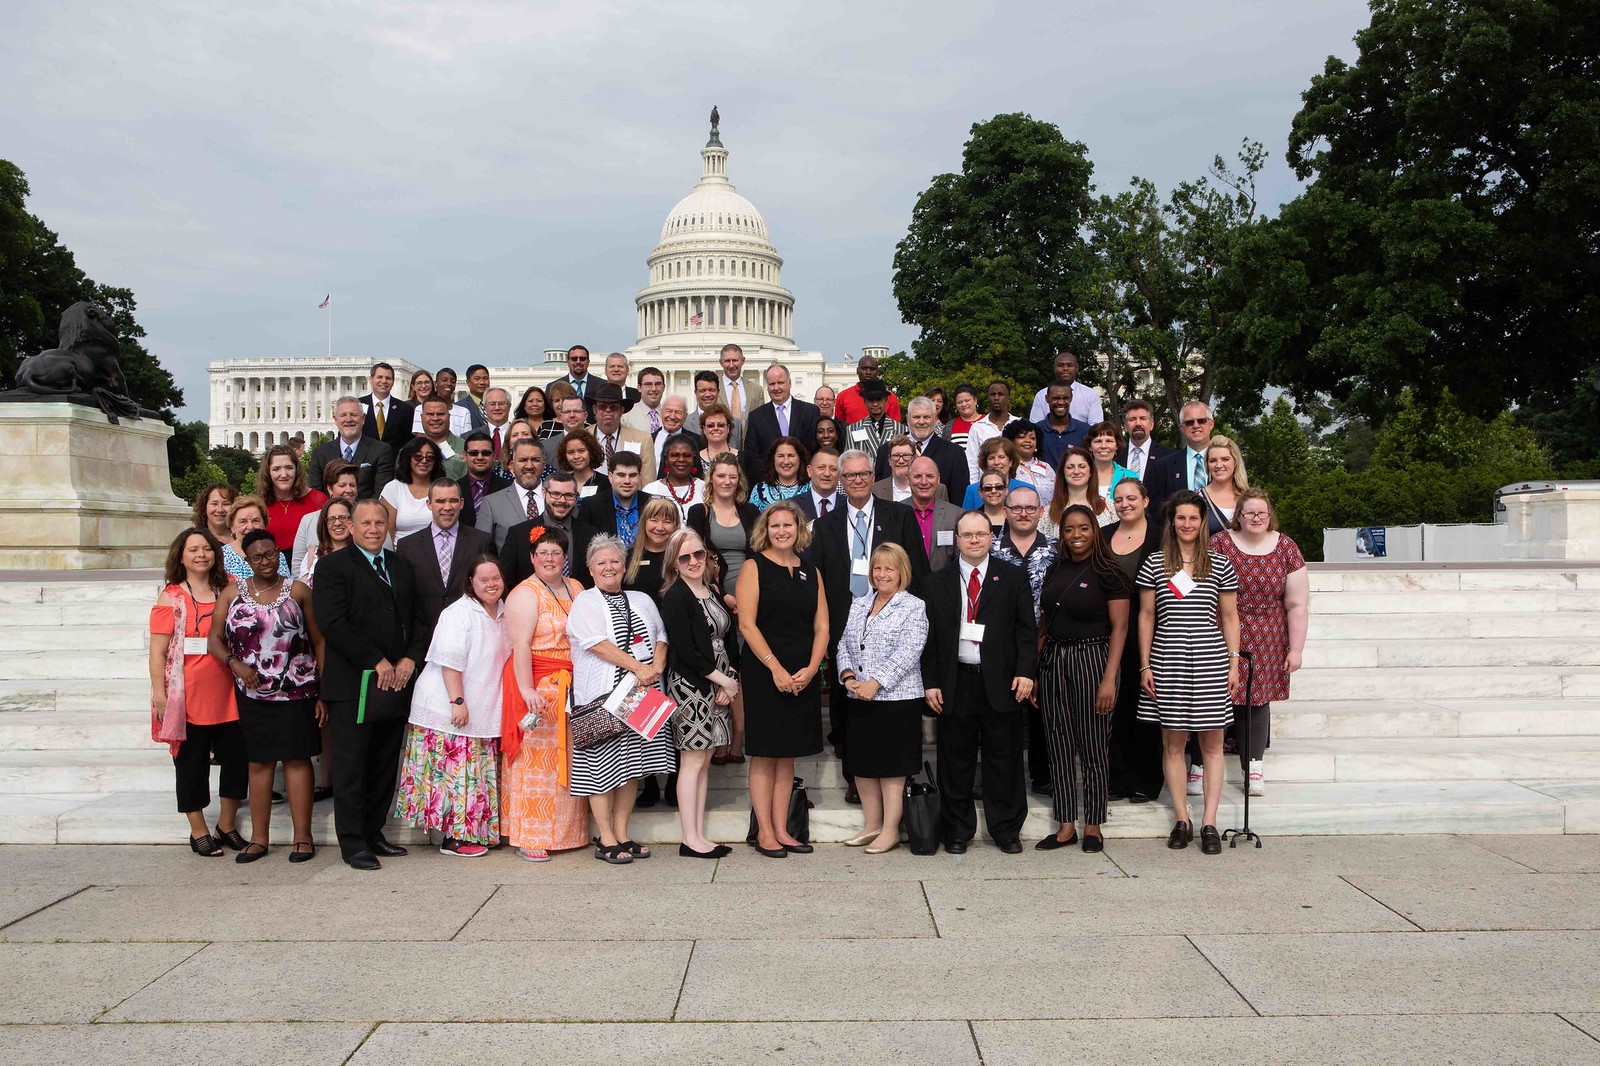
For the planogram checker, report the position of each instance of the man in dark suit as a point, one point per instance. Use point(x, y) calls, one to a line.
point(371, 618)
point(617, 373)
point(480, 481)
point(387, 419)
point(579, 378)
point(782, 415)
point(439, 585)
point(560, 512)
point(977, 669)
point(822, 474)
point(1184, 468)
point(921, 421)
point(373, 459)
point(936, 517)
point(1141, 450)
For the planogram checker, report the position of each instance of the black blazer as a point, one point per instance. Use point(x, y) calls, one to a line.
point(699, 520)
point(418, 548)
point(516, 554)
point(809, 507)
point(761, 429)
point(364, 620)
point(893, 523)
point(1163, 477)
point(374, 465)
point(1005, 610)
point(951, 461)
point(590, 383)
point(469, 511)
point(690, 654)
point(396, 427)
point(1156, 449)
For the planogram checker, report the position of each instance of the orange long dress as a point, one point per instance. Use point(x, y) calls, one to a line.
point(536, 808)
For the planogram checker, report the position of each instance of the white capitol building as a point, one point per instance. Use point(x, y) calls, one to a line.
point(714, 277)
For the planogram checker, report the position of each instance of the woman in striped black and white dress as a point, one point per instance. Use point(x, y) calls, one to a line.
point(613, 632)
point(1189, 643)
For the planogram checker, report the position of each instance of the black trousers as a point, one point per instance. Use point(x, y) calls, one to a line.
point(1038, 748)
point(970, 730)
point(192, 765)
point(1135, 745)
point(363, 775)
point(1069, 678)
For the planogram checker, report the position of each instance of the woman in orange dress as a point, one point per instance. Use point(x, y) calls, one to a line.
point(538, 812)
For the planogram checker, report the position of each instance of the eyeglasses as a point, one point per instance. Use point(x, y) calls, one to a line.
point(1254, 514)
point(560, 495)
point(984, 535)
point(1014, 509)
point(339, 518)
point(856, 475)
point(698, 556)
point(1197, 421)
point(422, 457)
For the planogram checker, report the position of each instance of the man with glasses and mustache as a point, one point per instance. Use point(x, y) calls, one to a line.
point(1186, 467)
point(561, 512)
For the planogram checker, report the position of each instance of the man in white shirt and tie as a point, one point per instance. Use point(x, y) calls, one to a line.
point(645, 416)
point(497, 420)
point(1138, 420)
point(781, 416)
point(386, 418)
point(735, 393)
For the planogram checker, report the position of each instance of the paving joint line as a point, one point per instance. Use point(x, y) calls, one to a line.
point(153, 980)
point(1578, 1027)
point(360, 1044)
point(928, 903)
point(1485, 848)
point(474, 914)
point(1242, 997)
point(684, 981)
point(1346, 879)
point(47, 906)
point(977, 1049)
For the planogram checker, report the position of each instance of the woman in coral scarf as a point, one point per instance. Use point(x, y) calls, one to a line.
point(538, 813)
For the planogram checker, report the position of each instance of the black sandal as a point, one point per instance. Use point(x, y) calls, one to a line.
point(638, 851)
point(246, 855)
point(320, 793)
point(230, 838)
point(297, 855)
point(205, 846)
point(616, 854)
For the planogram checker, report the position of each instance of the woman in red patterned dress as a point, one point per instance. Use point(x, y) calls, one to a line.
point(1274, 597)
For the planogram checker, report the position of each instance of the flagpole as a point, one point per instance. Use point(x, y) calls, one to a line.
point(330, 329)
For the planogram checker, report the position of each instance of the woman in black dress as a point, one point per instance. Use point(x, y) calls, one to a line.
point(658, 520)
point(1136, 772)
point(783, 618)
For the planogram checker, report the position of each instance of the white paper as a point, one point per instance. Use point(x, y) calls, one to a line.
point(587, 491)
point(972, 631)
point(1182, 584)
point(858, 435)
point(195, 646)
point(944, 538)
point(614, 701)
point(859, 566)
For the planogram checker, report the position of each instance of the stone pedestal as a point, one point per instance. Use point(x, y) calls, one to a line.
point(1564, 524)
point(78, 493)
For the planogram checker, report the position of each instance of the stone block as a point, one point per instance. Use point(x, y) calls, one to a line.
point(180, 1045)
point(1548, 854)
point(79, 982)
point(1491, 901)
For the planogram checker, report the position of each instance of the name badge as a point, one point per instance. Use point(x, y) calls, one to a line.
point(587, 491)
point(1181, 584)
point(859, 435)
point(859, 566)
point(944, 538)
point(972, 631)
point(195, 646)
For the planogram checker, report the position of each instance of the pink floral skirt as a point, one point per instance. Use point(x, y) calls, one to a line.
point(452, 784)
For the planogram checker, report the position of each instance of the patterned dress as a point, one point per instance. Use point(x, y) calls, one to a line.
point(699, 724)
point(1263, 620)
point(537, 810)
point(1188, 655)
point(279, 718)
point(767, 493)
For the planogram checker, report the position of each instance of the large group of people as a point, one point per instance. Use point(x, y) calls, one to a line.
point(455, 604)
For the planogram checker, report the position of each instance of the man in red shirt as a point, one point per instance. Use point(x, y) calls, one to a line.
point(850, 406)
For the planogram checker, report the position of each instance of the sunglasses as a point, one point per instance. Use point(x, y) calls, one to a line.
point(993, 488)
point(1197, 421)
point(698, 556)
point(471, 454)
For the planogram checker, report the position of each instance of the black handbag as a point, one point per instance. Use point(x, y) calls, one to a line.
point(922, 814)
point(799, 820)
point(592, 725)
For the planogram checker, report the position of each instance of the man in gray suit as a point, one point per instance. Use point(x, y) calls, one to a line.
point(936, 517)
point(520, 501)
point(373, 459)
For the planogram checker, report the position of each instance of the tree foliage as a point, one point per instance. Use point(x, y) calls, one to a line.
point(994, 267)
point(39, 279)
point(1450, 234)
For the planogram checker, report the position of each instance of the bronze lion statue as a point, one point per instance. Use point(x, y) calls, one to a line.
point(83, 367)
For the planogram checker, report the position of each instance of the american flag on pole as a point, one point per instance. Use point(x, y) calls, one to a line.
point(696, 318)
point(324, 302)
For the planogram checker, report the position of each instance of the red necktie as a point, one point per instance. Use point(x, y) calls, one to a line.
point(825, 502)
point(497, 444)
point(973, 585)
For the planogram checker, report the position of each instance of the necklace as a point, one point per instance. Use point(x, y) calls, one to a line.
point(683, 500)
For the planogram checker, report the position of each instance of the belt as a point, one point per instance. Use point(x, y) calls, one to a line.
point(971, 668)
point(1077, 642)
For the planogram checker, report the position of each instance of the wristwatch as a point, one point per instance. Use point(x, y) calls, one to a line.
point(458, 701)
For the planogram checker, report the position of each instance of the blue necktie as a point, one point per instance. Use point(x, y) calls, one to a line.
point(1200, 478)
point(349, 453)
point(858, 582)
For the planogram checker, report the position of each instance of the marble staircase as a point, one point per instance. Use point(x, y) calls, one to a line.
point(1437, 700)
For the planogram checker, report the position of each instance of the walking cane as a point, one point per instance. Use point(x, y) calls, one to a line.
point(1233, 836)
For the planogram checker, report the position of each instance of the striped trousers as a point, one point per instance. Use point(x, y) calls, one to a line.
point(1069, 676)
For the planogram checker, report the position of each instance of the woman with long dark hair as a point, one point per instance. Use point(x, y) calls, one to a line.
point(1136, 762)
point(781, 477)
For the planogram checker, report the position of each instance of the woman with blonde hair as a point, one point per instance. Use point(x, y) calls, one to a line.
point(724, 522)
point(281, 485)
point(658, 520)
point(245, 513)
point(1225, 468)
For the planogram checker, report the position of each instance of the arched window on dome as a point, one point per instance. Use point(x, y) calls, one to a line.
point(742, 266)
point(722, 266)
point(699, 267)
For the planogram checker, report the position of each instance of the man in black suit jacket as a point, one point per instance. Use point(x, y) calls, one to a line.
point(765, 424)
point(434, 589)
point(1177, 471)
point(371, 618)
point(379, 404)
point(977, 686)
point(481, 479)
point(579, 378)
point(921, 420)
point(373, 459)
point(1138, 422)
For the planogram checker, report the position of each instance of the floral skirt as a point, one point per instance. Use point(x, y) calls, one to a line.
point(452, 784)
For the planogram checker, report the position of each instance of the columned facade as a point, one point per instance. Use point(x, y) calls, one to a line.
point(256, 403)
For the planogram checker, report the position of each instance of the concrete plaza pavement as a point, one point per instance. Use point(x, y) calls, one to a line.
point(1392, 949)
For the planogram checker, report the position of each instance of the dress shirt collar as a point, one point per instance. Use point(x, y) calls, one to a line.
point(854, 510)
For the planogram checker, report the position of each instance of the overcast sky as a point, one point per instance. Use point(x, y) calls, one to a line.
point(478, 181)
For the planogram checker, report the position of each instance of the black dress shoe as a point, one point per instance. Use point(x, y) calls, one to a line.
point(955, 847)
point(1040, 788)
point(779, 852)
point(851, 796)
point(1051, 843)
point(1210, 840)
point(1182, 833)
point(382, 847)
point(1012, 847)
point(1093, 842)
point(799, 849)
point(363, 860)
point(717, 852)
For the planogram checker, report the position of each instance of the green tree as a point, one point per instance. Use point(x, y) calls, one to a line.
point(39, 279)
point(994, 267)
point(186, 448)
point(238, 466)
point(910, 377)
point(1568, 423)
point(1277, 451)
point(1448, 237)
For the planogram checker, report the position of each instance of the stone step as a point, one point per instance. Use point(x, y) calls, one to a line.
point(1331, 719)
point(1485, 602)
point(1434, 651)
point(95, 730)
point(1446, 683)
point(1554, 578)
point(1432, 758)
point(76, 662)
point(110, 637)
point(144, 769)
point(143, 588)
point(1500, 626)
point(1288, 809)
point(130, 695)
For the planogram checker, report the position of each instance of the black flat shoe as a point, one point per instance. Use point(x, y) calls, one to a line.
point(1012, 847)
point(1210, 840)
point(779, 852)
point(1093, 842)
point(249, 854)
point(1182, 833)
point(320, 793)
point(955, 847)
point(1139, 797)
point(382, 847)
point(277, 799)
point(1050, 843)
point(230, 838)
point(717, 852)
point(303, 856)
point(799, 849)
point(363, 860)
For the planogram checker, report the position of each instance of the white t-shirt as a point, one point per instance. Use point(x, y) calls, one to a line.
point(469, 640)
point(411, 514)
point(697, 494)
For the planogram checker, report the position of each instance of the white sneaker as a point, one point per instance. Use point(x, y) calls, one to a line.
point(1258, 780)
point(1197, 780)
